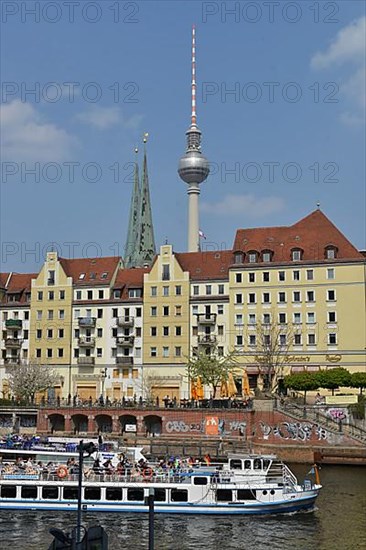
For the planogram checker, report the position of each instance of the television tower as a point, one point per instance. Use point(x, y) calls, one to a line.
point(193, 167)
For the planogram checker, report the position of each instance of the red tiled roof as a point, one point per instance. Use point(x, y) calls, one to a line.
point(3, 279)
point(206, 265)
point(20, 282)
point(90, 266)
point(312, 234)
point(130, 278)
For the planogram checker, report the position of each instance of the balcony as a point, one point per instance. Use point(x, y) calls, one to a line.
point(124, 360)
point(86, 361)
point(13, 343)
point(86, 342)
point(125, 321)
point(12, 361)
point(126, 341)
point(207, 340)
point(14, 323)
point(206, 319)
point(87, 321)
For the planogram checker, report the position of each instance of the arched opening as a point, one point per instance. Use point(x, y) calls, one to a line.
point(153, 425)
point(128, 423)
point(104, 423)
point(57, 423)
point(80, 423)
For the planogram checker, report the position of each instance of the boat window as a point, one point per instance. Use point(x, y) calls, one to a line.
point(92, 493)
point(224, 495)
point(29, 491)
point(179, 495)
point(160, 495)
point(247, 464)
point(257, 464)
point(135, 494)
point(264, 492)
point(272, 492)
point(113, 493)
point(246, 494)
point(70, 493)
point(200, 480)
point(8, 491)
point(236, 464)
point(49, 492)
point(266, 463)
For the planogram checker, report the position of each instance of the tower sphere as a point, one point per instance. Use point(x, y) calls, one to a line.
point(193, 167)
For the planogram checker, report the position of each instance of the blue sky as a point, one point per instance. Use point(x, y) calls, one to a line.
point(291, 135)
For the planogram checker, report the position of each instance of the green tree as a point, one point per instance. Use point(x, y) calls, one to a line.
point(27, 379)
point(331, 379)
point(212, 369)
point(358, 380)
point(302, 381)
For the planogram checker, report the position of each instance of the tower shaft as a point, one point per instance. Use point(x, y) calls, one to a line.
point(193, 217)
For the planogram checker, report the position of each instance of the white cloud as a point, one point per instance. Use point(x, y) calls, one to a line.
point(249, 204)
point(27, 137)
point(347, 46)
point(348, 49)
point(105, 117)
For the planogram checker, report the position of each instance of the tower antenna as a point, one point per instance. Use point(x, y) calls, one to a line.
point(194, 114)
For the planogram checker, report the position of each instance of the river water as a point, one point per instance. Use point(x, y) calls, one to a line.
point(338, 523)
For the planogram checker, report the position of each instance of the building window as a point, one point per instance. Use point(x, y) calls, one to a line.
point(178, 331)
point(165, 291)
point(310, 296)
point(194, 331)
point(100, 313)
point(332, 317)
point(62, 295)
point(252, 298)
point(221, 289)
point(154, 291)
point(61, 314)
point(178, 310)
point(297, 340)
point(310, 317)
point(296, 296)
point(283, 340)
point(153, 331)
point(165, 351)
point(38, 353)
point(238, 277)
point(49, 353)
point(208, 290)
point(60, 352)
point(99, 352)
point(220, 309)
point(178, 351)
point(282, 318)
point(266, 297)
point(196, 290)
point(153, 352)
point(331, 295)
point(252, 257)
point(49, 333)
point(239, 339)
point(178, 290)
point(25, 334)
point(166, 272)
point(135, 293)
point(332, 339)
point(220, 330)
point(138, 352)
point(296, 275)
point(38, 334)
point(220, 351)
point(252, 339)
point(238, 298)
point(251, 277)
point(238, 257)
point(138, 332)
point(115, 312)
point(61, 333)
point(76, 353)
point(297, 318)
point(40, 296)
point(331, 253)
point(309, 274)
point(296, 254)
point(78, 295)
point(153, 311)
point(90, 294)
point(266, 256)
point(251, 319)
point(76, 333)
point(117, 294)
point(99, 332)
point(165, 331)
point(166, 311)
point(239, 319)
point(311, 340)
point(282, 297)
point(266, 276)
point(101, 294)
point(282, 276)
point(195, 310)
point(266, 318)
point(50, 315)
point(330, 273)
point(26, 315)
point(138, 312)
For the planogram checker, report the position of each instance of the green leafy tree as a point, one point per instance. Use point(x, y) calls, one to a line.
point(27, 379)
point(302, 381)
point(212, 369)
point(331, 379)
point(358, 380)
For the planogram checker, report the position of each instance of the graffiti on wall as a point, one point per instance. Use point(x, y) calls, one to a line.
point(337, 414)
point(293, 431)
point(211, 425)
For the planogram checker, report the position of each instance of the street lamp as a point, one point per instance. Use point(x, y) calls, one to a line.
point(88, 449)
point(103, 374)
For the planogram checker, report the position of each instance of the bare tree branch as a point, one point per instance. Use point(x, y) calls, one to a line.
point(27, 379)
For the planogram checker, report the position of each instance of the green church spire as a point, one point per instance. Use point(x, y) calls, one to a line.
point(146, 241)
point(131, 247)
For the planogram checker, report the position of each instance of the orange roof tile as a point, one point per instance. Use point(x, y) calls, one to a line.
point(3, 279)
point(21, 282)
point(206, 265)
point(130, 278)
point(311, 234)
point(92, 268)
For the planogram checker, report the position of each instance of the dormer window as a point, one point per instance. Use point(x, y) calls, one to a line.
point(82, 276)
point(104, 275)
point(267, 256)
point(331, 252)
point(252, 257)
point(238, 257)
point(296, 254)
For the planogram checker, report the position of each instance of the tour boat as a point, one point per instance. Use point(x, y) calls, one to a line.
point(245, 484)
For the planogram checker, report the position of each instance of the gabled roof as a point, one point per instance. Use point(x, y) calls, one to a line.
point(130, 278)
point(18, 283)
point(91, 271)
point(206, 265)
point(311, 234)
